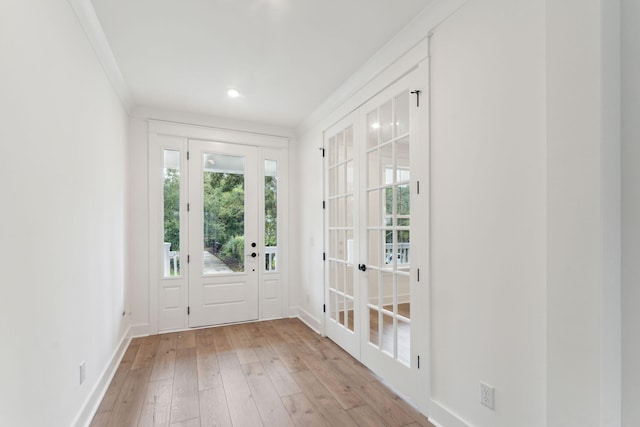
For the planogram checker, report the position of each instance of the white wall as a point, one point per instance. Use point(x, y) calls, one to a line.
point(583, 253)
point(631, 212)
point(62, 221)
point(488, 212)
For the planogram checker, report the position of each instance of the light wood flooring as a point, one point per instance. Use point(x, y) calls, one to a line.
point(273, 373)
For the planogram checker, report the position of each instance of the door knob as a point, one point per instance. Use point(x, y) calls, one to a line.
point(253, 254)
point(362, 267)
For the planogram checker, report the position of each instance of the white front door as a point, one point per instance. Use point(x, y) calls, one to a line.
point(223, 233)
point(377, 232)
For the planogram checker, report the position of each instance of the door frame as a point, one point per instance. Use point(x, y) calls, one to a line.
point(168, 135)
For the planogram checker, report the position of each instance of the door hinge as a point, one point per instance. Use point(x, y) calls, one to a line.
point(324, 205)
point(324, 256)
point(322, 149)
point(188, 206)
point(189, 312)
point(418, 275)
point(418, 187)
point(324, 308)
point(188, 259)
point(187, 155)
point(418, 361)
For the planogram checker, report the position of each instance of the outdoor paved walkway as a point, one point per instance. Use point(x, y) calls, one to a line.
point(213, 264)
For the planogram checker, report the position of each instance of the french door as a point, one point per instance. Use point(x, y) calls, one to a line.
point(220, 240)
point(377, 225)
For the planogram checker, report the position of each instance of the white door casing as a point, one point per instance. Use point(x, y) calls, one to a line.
point(170, 293)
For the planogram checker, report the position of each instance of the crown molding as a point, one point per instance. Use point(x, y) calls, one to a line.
point(86, 15)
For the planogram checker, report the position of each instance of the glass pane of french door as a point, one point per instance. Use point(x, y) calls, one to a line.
point(388, 228)
point(341, 219)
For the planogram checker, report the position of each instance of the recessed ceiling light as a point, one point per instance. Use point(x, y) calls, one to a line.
point(233, 93)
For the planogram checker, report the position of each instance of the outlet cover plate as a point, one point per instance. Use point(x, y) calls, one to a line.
point(487, 396)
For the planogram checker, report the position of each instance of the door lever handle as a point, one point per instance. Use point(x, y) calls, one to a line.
point(362, 267)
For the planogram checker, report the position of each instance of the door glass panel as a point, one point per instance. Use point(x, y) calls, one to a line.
point(224, 207)
point(349, 176)
point(373, 248)
point(374, 291)
point(402, 114)
point(404, 248)
point(349, 209)
point(387, 291)
point(388, 336)
point(386, 122)
point(388, 248)
point(403, 208)
point(332, 151)
point(386, 164)
point(402, 160)
point(373, 209)
point(349, 284)
point(341, 179)
point(340, 147)
point(171, 244)
point(350, 314)
point(333, 304)
point(341, 212)
point(372, 169)
point(388, 206)
point(374, 322)
point(373, 128)
point(404, 296)
point(348, 141)
point(350, 247)
point(340, 278)
point(271, 215)
point(404, 340)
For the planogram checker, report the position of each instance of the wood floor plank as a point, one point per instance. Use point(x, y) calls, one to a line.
point(147, 352)
point(207, 362)
point(100, 419)
point(280, 377)
point(242, 407)
point(185, 404)
point(127, 408)
point(213, 407)
point(118, 380)
point(383, 405)
point(366, 417)
point(339, 387)
point(270, 407)
point(241, 345)
point(156, 409)
point(321, 398)
point(302, 411)
point(221, 340)
point(405, 406)
point(195, 422)
point(165, 360)
point(186, 339)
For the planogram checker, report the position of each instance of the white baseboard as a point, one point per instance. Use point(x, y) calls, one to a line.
point(441, 416)
point(140, 330)
point(91, 404)
point(307, 319)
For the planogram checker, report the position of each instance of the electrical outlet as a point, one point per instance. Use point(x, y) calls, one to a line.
point(487, 395)
point(83, 372)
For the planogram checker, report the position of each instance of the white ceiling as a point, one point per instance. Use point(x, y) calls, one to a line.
point(284, 56)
